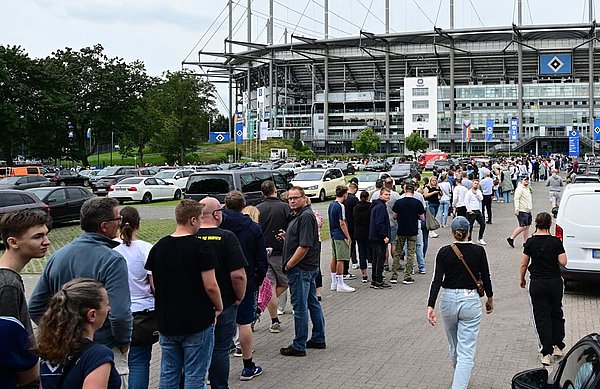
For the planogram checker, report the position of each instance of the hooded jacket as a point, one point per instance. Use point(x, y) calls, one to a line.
point(555, 183)
point(379, 228)
point(251, 239)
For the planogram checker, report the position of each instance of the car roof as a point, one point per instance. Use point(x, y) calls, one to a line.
point(583, 187)
point(235, 172)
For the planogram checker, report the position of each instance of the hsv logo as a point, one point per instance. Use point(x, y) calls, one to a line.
point(239, 133)
point(220, 138)
point(420, 82)
point(555, 64)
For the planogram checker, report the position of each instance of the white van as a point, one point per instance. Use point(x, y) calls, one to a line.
point(578, 225)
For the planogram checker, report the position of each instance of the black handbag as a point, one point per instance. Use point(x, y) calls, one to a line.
point(145, 328)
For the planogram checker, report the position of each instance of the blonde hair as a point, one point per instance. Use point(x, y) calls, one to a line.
point(251, 211)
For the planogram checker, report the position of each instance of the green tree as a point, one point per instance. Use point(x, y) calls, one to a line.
point(220, 124)
point(298, 144)
point(414, 142)
point(367, 142)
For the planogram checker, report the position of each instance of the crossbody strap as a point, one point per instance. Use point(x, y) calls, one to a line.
point(71, 362)
point(462, 258)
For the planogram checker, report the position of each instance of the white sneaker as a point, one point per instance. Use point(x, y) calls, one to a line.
point(369, 266)
point(334, 286)
point(345, 288)
point(433, 234)
point(557, 352)
point(546, 360)
point(355, 266)
point(280, 312)
point(482, 242)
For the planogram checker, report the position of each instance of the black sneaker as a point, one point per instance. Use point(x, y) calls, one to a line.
point(408, 281)
point(511, 242)
point(386, 268)
point(384, 285)
point(375, 285)
point(317, 345)
point(365, 279)
point(394, 280)
point(292, 352)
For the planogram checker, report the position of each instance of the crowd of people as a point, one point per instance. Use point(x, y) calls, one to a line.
point(105, 298)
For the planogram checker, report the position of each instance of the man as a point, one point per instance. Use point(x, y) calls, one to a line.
point(467, 180)
point(25, 236)
point(394, 196)
point(473, 199)
point(340, 240)
point(231, 278)
point(555, 183)
point(349, 204)
point(458, 198)
point(188, 299)
point(404, 250)
point(379, 237)
point(409, 212)
point(301, 260)
point(91, 255)
point(253, 246)
point(373, 195)
point(523, 206)
point(487, 187)
point(274, 215)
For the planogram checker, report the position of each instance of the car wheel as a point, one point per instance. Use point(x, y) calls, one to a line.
point(62, 183)
point(121, 202)
point(177, 195)
point(322, 195)
point(147, 199)
point(86, 183)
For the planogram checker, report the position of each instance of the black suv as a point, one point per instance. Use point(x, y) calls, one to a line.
point(218, 184)
point(16, 200)
point(403, 171)
point(116, 174)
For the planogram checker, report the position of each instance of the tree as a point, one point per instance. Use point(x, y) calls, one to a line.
point(367, 142)
point(220, 124)
point(415, 143)
point(297, 144)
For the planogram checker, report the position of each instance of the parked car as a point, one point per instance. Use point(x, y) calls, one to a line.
point(440, 164)
point(593, 170)
point(346, 167)
point(295, 167)
point(178, 178)
point(218, 184)
point(101, 186)
point(15, 200)
point(23, 182)
point(319, 183)
point(144, 189)
point(403, 171)
point(377, 166)
point(67, 177)
point(64, 203)
point(579, 369)
point(366, 180)
point(584, 178)
point(89, 173)
point(358, 165)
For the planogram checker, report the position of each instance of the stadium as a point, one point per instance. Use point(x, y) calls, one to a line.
point(518, 88)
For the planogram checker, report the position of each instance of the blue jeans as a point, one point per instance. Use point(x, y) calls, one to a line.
point(224, 333)
point(506, 195)
point(461, 313)
point(189, 354)
point(139, 366)
point(363, 253)
point(303, 293)
point(434, 208)
point(444, 207)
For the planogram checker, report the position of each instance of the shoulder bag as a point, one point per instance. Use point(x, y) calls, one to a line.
point(478, 282)
point(431, 222)
point(145, 328)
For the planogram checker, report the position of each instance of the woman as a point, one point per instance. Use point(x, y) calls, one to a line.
point(136, 252)
point(70, 358)
point(362, 221)
point(460, 304)
point(432, 194)
point(506, 184)
point(446, 189)
point(544, 253)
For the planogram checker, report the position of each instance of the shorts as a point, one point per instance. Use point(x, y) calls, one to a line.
point(524, 219)
point(340, 250)
point(555, 197)
point(394, 233)
point(275, 271)
point(246, 313)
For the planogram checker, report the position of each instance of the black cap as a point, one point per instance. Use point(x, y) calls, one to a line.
point(379, 183)
point(354, 179)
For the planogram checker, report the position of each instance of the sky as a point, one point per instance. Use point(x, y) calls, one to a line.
point(164, 33)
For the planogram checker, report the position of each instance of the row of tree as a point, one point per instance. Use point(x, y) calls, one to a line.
point(68, 104)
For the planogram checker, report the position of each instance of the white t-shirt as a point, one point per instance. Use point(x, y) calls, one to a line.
point(136, 255)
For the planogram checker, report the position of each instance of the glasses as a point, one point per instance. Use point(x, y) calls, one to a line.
point(294, 198)
point(117, 219)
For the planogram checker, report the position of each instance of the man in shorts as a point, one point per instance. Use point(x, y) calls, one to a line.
point(523, 207)
point(555, 183)
point(340, 240)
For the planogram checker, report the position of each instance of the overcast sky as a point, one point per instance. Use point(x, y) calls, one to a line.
point(163, 33)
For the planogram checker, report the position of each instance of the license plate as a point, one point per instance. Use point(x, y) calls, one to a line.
point(101, 190)
point(121, 189)
point(596, 254)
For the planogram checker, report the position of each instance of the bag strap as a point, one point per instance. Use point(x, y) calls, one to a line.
point(462, 258)
point(72, 361)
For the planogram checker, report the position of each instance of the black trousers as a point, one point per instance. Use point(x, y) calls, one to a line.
point(476, 215)
point(546, 299)
point(486, 207)
point(461, 211)
point(378, 249)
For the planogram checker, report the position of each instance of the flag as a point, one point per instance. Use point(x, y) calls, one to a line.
point(238, 119)
point(466, 133)
point(573, 143)
point(489, 130)
point(597, 129)
point(514, 130)
point(219, 137)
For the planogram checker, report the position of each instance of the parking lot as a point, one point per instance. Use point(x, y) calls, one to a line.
point(380, 338)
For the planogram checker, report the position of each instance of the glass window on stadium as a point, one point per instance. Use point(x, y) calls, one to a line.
point(420, 92)
point(420, 104)
point(420, 117)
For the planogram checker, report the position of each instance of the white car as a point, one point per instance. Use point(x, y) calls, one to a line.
point(319, 183)
point(295, 167)
point(366, 181)
point(144, 189)
point(178, 177)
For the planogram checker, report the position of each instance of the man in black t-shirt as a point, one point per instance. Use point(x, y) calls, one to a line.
point(231, 277)
point(188, 299)
point(349, 204)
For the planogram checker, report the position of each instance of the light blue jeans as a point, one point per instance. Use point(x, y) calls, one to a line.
point(303, 293)
point(461, 313)
point(187, 354)
point(444, 207)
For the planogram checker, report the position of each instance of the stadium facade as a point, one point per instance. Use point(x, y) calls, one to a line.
point(519, 88)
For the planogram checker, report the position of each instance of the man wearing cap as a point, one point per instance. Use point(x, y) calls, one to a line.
point(523, 206)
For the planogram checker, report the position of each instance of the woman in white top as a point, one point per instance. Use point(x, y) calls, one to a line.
point(446, 188)
point(136, 252)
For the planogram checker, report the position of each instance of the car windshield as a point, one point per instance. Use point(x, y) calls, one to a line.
point(131, 181)
point(340, 164)
point(40, 192)
point(401, 168)
point(165, 174)
point(308, 176)
point(367, 177)
point(108, 171)
point(9, 180)
point(374, 163)
point(287, 166)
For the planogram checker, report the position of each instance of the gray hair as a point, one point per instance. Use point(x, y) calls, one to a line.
point(95, 211)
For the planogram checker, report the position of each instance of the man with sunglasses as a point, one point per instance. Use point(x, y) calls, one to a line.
point(91, 255)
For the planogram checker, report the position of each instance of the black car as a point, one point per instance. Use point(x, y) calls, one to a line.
point(64, 203)
point(346, 167)
point(16, 200)
point(403, 171)
point(579, 369)
point(23, 182)
point(377, 166)
point(440, 164)
point(67, 177)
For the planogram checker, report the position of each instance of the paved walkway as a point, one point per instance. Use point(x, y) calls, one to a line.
point(380, 338)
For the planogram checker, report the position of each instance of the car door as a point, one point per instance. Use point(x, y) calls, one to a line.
point(75, 198)
point(165, 191)
point(59, 206)
point(28, 182)
point(329, 182)
point(151, 185)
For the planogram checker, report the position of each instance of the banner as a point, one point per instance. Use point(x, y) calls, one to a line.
point(489, 130)
point(597, 129)
point(573, 143)
point(219, 137)
point(514, 130)
point(466, 130)
point(238, 128)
